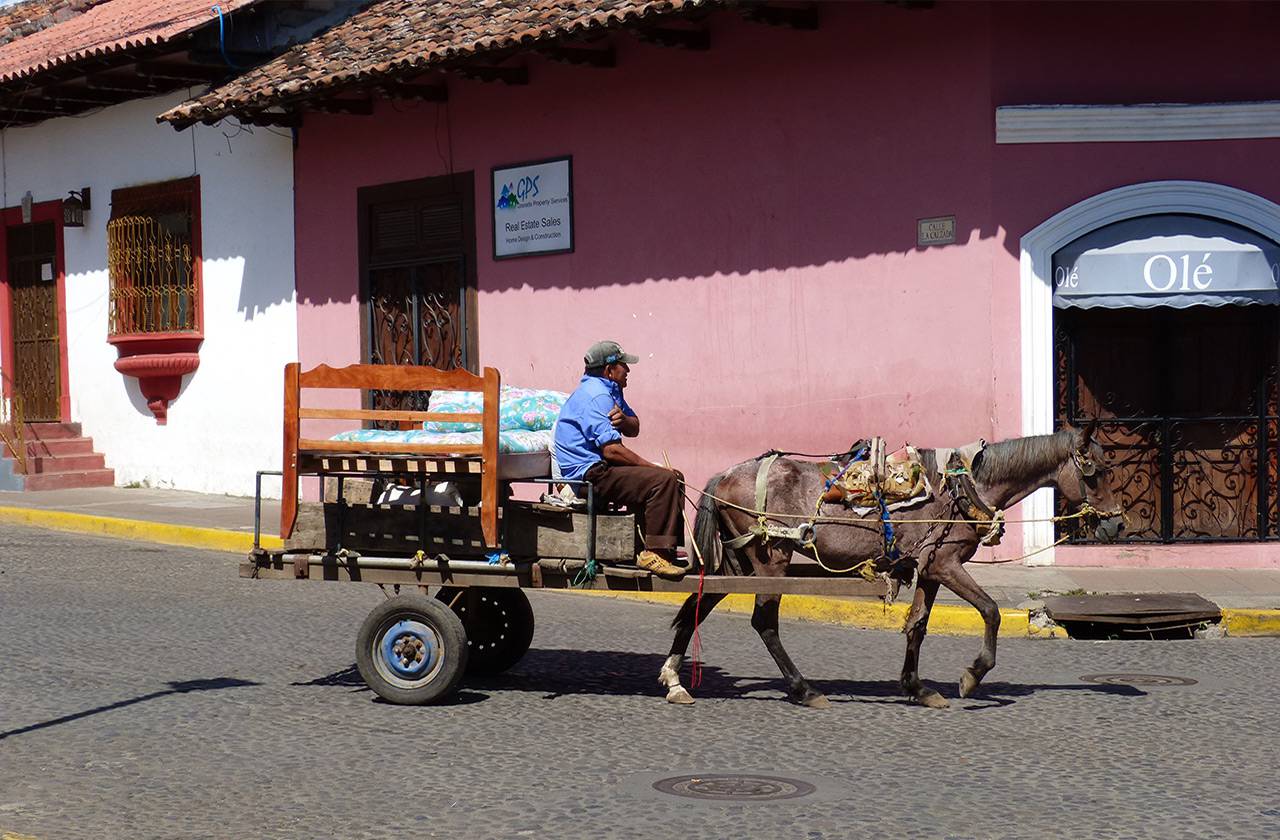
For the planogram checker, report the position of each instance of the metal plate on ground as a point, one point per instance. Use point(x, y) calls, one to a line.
point(1138, 680)
point(718, 789)
point(734, 787)
point(1133, 608)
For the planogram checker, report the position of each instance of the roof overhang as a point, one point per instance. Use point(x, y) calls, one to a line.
point(406, 49)
point(106, 55)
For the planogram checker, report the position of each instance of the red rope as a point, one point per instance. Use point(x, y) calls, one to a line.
point(695, 677)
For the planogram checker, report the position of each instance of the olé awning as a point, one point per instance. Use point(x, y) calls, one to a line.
point(1167, 260)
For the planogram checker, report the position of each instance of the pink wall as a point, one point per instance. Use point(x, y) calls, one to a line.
point(745, 217)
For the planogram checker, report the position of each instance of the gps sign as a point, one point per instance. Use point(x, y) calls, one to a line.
point(533, 208)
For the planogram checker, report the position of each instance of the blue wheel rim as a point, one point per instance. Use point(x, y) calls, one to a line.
point(409, 649)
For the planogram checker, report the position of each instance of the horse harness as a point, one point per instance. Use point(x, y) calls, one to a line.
point(801, 535)
point(989, 523)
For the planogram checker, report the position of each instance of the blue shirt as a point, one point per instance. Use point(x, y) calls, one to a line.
point(584, 428)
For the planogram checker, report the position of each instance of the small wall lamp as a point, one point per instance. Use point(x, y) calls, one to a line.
point(73, 207)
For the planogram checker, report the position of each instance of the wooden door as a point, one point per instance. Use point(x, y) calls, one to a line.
point(1188, 406)
point(33, 290)
point(418, 253)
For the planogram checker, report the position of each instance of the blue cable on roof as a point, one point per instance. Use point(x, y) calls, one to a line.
point(222, 38)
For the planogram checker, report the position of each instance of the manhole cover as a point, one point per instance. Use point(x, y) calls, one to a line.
point(734, 787)
point(1137, 679)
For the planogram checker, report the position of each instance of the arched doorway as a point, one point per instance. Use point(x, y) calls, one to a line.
point(1164, 333)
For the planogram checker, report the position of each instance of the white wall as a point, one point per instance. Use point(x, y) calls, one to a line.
point(226, 422)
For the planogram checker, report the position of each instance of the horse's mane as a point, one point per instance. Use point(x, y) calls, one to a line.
point(1024, 457)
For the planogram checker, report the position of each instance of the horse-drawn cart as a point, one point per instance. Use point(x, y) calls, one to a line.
point(457, 569)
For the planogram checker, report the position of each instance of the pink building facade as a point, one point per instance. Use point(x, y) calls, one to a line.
point(746, 219)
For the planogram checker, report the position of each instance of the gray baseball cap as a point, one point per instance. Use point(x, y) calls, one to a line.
point(607, 353)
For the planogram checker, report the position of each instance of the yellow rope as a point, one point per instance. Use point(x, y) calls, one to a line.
point(1054, 544)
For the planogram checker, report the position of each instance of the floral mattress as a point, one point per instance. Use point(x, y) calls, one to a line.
point(526, 421)
point(513, 441)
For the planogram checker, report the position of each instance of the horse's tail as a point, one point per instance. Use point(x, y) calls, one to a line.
point(706, 527)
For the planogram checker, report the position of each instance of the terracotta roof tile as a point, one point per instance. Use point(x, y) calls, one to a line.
point(104, 28)
point(23, 19)
point(392, 37)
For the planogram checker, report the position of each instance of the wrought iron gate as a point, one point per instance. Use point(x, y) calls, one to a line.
point(1188, 415)
point(33, 289)
point(416, 317)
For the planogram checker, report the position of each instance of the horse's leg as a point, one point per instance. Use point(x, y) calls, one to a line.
point(684, 623)
point(956, 578)
point(917, 625)
point(765, 620)
point(771, 563)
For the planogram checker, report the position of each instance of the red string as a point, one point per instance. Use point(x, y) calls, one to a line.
point(695, 678)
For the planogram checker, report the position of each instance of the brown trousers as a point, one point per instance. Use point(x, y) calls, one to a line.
point(651, 492)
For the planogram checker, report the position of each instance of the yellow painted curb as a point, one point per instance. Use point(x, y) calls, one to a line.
point(947, 619)
point(9, 835)
point(1240, 622)
point(188, 536)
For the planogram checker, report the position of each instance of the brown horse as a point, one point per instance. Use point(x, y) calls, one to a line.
point(1003, 474)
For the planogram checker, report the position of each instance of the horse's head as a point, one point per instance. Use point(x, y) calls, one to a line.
point(1082, 481)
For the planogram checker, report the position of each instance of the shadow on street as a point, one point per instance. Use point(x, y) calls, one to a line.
point(555, 673)
point(185, 687)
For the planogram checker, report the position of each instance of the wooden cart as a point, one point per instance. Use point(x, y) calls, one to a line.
point(456, 571)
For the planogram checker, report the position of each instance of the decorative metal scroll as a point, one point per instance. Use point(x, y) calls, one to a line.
point(152, 266)
point(416, 317)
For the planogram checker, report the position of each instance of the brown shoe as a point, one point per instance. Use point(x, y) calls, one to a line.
point(652, 563)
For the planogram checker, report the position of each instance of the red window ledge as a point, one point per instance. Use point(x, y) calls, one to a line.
point(158, 361)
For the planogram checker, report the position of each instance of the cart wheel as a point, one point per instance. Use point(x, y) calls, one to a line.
point(411, 650)
point(499, 624)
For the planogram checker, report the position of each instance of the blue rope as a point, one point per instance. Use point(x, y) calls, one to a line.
point(857, 456)
point(586, 575)
point(222, 39)
point(890, 539)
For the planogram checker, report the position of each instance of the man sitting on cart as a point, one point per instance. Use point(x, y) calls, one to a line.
point(589, 447)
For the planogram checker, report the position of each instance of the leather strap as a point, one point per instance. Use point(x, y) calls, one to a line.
point(800, 534)
point(964, 491)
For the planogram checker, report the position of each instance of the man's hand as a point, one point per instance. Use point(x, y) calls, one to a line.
point(626, 424)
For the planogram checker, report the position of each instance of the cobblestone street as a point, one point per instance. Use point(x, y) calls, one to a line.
point(149, 692)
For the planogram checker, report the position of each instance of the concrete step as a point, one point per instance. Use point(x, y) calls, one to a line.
point(64, 480)
point(65, 463)
point(52, 431)
point(57, 447)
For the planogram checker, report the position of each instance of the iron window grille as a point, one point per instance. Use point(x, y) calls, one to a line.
point(153, 259)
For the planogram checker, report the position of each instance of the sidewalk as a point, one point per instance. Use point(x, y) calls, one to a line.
point(173, 517)
point(225, 523)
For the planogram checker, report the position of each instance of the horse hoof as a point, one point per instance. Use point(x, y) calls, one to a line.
point(816, 701)
point(679, 696)
point(933, 700)
point(968, 684)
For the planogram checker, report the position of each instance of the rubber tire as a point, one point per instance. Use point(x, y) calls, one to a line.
point(453, 648)
point(487, 655)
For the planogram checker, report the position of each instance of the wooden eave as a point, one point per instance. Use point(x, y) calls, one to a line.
point(76, 88)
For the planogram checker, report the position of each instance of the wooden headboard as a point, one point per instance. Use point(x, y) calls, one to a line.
point(391, 378)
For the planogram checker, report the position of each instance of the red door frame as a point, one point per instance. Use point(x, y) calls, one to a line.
point(45, 211)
